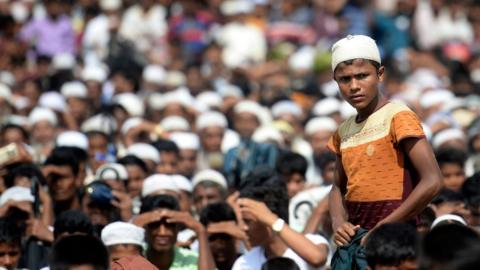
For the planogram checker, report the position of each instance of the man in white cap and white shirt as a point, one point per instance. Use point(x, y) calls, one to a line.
point(43, 122)
point(123, 239)
point(189, 144)
point(210, 128)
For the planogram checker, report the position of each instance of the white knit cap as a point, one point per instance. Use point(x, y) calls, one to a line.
point(186, 140)
point(175, 123)
point(211, 119)
point(249, 106)
point(158, 182)
point(18, 194)
point(131, 103)
point(94, 73)
point(320, 124)
point(447, 135)
point(111, 171)
point(110, 5)
point(209, 175)
point(448, 217)
point(144, 151)
point(63, 61)
point(266, 134)
point(71, 138)
point(354, 47)
point(99, 123)
point(52, 100)
point(326, 106)
point(154, 74)
point(210, 99)
point(130, 123)
point(74, 89)
point(230, 90)
point(182, 183)
point(122, 233)
point(42, 114)
point(286, 107)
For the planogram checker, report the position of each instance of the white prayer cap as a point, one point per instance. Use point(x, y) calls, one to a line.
point(320, 124)
point(131, 103)
point(266, 134)
point(120, 232)
point(154, 74)
point(448, 218)
point(230, 90)
point(71, 138)
point(248, 106)
point(99, 123)
point(353, 47)
point(18, 120)
point(175, 123)
point(6, 93)
point(435, 97)
point(42, 114)
point(74, 89)
point(235, 7)
point(18, 194)
point(326, 106)
point(210, 99)
point(211, 119)
point(144, 151)
point(63, 61)
point(180, 96)
point(302, 59)
point(158, 182)
point(209, 175)
point(230, 139)
point(110, 5)
point(6, 77)
point(286, 107)
point(447, 135)
point(347, 110)
point(52, 100)
point(182, 183)
point(21, 102)
point(130, 123)
point(94, 73)
point(111, 171)
point(174, 79)
point(185, 140)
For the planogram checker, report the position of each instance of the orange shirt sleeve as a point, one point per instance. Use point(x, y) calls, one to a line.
point(406, 124)
point(334, 143)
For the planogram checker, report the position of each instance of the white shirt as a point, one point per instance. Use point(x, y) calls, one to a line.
point(254, 259)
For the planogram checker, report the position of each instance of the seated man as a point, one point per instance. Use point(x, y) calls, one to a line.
point(162, 220)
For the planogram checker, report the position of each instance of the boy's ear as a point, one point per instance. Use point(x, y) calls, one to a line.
point(381, 73)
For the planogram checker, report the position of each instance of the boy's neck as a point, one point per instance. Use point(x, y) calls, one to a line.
point(364, 113)
point(162, 260)
point(275, 248)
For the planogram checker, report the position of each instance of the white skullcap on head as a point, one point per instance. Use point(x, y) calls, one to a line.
point(175, 123)
point(120, 232)
point(111, 171)
point(211, 119)
point(110, 5)
point(230, 90)
point(42, 114)
point(182, 183)
point(130, 123)
point(320, 124)
point(18, 120)
point(158, 182)
point(266, 134)
point(154, 74)
point(447, 135)
point(435, 97)
point(144, 151)
point(326, 106)
point(174, 79)
point(186, 140)
point(6, 93)
point(286, 107)
point(180, 96)
point(235, 7)
point(63, 61)
point(230, 139)
point(52, 100)
point(302, 59)
point(94, 73)
point(99, 123)
point(354, 47)
point(131, 103)
point(18, 194)
point(448, 218)
point(209, 175)
point(74, 89)
point(249, 106)
point(210, 99)
point(72, 138)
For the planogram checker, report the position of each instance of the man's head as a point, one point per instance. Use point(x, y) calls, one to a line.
point(209, 186)
point(61, 175)
point(72, 222)
point(392, 245)
point(211, 128)
point(169, 155)
point(292, 167)
point(246, 118)
point(123, 239)
point(451, 162)
point(137, 171)
point(10, 243)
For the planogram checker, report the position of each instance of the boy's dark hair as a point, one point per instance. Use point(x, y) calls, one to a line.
point(447, 246)
point(447, 195)
point(133, 160)
point(471, 190)
point(28, 170)
point(274, 197)
point(72, 221)
point(280, 263)
point(10, 233)
point(166, 146)
point(75, 250)
point(64, 156)
point(391, 244)
point(290, 163)
point(322, 160)
point(426, 217)
point(262, 175)
point(217, 212)
point(451, 155)
point(153, 202)
point(81, 154)
point(14, 126)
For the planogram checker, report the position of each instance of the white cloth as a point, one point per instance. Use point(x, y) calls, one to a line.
point(122, 233)
point(95, 40)
point(253, 259)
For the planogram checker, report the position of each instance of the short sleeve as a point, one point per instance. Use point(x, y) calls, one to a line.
point(406, 124)
point(334, 143)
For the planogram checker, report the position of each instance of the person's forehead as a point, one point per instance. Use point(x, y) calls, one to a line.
point(355, 65)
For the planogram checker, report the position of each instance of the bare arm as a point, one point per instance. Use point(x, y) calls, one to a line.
point(424, 162)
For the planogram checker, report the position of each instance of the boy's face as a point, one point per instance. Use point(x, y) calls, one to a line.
point(222, 247)
point(161, 236)
point(62, 184)
point(453, 176)
point(9, 255)
point(358, 82)
point(258, 234)
point(295, 184)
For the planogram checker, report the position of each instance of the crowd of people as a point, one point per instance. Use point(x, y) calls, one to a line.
point(239, 134)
